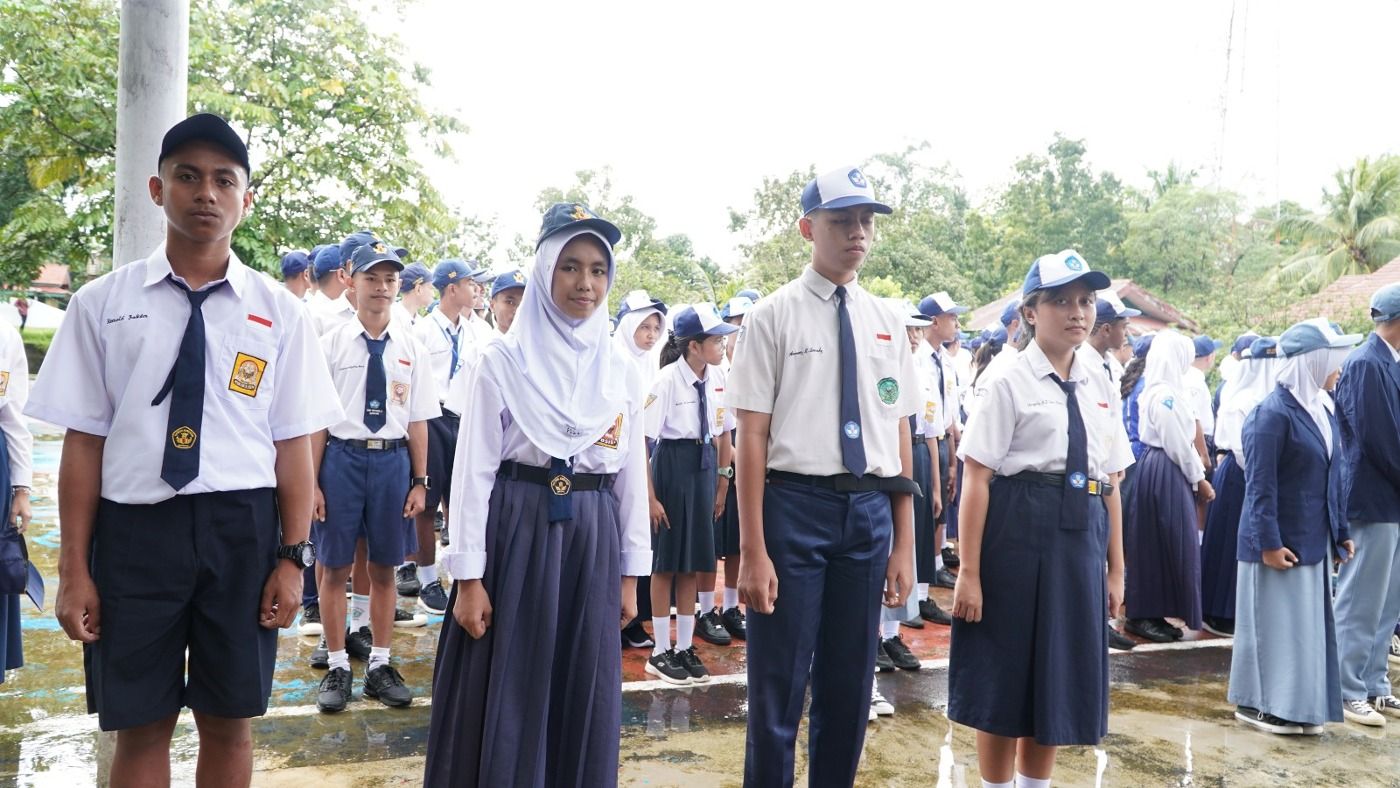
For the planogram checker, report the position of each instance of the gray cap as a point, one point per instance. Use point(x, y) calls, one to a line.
point(1385, 303)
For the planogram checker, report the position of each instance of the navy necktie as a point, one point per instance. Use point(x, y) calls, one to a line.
point(561, 487)
point(942, 386)
point(185, 385)
point(376, 387)
point(1074, 506)
point(705, 463)
point(852, 447)
point(456, 341)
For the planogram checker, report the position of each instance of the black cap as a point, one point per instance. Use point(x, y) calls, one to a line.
point(568, 215)
point(208, 128)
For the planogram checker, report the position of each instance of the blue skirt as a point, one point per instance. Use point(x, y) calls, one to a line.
point(925, 527)
point(1037, 663)
point(1218, 564)
point(11, 639)
point(687, 493)
point(537, 701)
point(727, 526)
point(1161, 551)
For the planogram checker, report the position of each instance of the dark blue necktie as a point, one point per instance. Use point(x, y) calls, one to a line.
point(942, 388)
point(455, 341)
point(1074, 506)
point(852, 447)
point(376, 388)
point(561, 487)
point(705, 460)
point(185, 385)
point(913, 425)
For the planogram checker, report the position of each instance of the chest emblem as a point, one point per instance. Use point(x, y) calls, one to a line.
point(183, 438)
point(247, 375)
point(611, 438)
point(888, 389)
point(399, 393)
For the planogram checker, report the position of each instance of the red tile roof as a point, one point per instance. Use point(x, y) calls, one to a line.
point(1347, 295)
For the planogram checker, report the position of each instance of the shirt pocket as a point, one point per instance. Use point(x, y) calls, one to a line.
point(881, 379)
point(246, 371)
point(400, 385)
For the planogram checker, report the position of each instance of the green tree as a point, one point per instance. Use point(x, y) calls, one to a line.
point(1183, 241)
point(1358, 232)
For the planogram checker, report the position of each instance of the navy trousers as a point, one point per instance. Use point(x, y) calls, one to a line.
point(830, 551)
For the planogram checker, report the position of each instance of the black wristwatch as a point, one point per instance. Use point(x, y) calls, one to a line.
point(303, 554)
point(417, 480)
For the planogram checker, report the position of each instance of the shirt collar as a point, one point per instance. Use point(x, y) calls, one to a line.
point(687, 374)
point(158, 268)
point(1042, 368)
point(438, 317)
point(822, 287)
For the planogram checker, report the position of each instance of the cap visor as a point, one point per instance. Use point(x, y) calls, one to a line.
point(1096, 280)
point(1346, 341)
point(914, 321)
point(723, 329)
point(603, 227)
point(851, 201)
point(1127, 312)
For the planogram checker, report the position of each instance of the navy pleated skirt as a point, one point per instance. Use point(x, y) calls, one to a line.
point(1037, 663)
point(925, 528)
point(1162, 553)
point(1218, 544)
point(727, 526)
point(687, 493)
point(537, 701)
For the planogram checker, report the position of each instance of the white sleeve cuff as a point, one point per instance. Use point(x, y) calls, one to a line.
point(463, 566)
point(636, 563)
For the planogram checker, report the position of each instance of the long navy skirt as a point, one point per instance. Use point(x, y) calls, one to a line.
point(1218, 564)
point(11, 638)
point(924, 526)
point(1037, 663)
point(1162, 552)
point(537, 701)
point(687, 493)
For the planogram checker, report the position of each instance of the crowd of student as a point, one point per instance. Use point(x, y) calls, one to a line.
point(582, 475)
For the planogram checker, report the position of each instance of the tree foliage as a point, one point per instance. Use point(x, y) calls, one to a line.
point(1358, 232)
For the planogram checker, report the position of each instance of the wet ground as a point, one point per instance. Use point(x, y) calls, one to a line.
point(1169, 724)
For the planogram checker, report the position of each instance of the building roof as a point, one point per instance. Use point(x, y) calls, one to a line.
point(52, 278)
point(1347, 295)
point(1157, 313)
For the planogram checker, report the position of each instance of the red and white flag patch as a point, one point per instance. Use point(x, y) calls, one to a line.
point(259, 319)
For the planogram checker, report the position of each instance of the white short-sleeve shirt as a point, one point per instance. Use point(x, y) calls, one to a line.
point(408, 381)
point(14, 392)
point(438, 336)
point(328, 313)
point(265, 377)
point(788, 364)
point(673, 406)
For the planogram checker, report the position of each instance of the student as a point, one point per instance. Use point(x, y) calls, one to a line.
point(1283, 670)
point(527, 685)
point(1255, 378)
point(961, 359)
point(823, 390)
point(222, 459)
point(329, 307)
point(1029, 661)
point(296, 274)
point(371, 476)
point(506, 291)
point(1368, 589)
point(1130, 390)
point(690, 431)
point(415, 293)
point(942, 418)
point(1197, 388)
point(1162, 546)
point(16, 474)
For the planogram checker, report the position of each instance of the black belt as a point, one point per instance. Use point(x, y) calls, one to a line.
point(582, 482)
point(682, 442)
point(374, 444)
point(1094, 486)
point(846, 482)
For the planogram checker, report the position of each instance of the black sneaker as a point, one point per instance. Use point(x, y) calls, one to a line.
point(335, 691)
point(950, 558)
point(689, 660)
point(917, 622)
point(634, 636)
point(358, 643)
point(406, 578)
point(442, 538)
point(882, 659)
point(310, 625)
point(1151, 629)
point(321, 656)
point(405, 619)
point(432, 599)
point(900, 654)
point(735, 623)
point(711, 629)
point(386, 685)
point(438, 524)
point(930, 611)
point(667, 667)
point(945, 579)
point(1223, 627)
point(1265, 721)
point(1118, 641)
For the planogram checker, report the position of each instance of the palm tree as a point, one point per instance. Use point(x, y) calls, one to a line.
point(1359, 233)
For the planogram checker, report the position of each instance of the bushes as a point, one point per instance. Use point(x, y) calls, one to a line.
point(36, 345)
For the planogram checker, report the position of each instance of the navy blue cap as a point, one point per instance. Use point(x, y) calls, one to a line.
point(1010, 312)
point(509, 280)
point(1263, 347)
point(1205, 345)
point(638, 300)
point(1314, 334)
point(840, 188)
point(205, 127)
point(940, 303)
point(700, 321)
point(574, 215)
point(1057, 270)
point(1141, 345)
point(326, 261)
point(401, 252)
point(367, 256)
point(1106, 311)
point(315, 250)
point(413, 273)
point(1243, 342)
point(1385, 303)
point(354, 241)
point(449, 272)
point(294, 263)
point(749, 293)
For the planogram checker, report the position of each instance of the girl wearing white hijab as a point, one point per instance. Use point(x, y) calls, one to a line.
point(1160, 537)
point(1284, 675)
point(527, 683)
point(640, 322)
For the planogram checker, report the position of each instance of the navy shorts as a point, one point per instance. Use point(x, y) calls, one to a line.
point(442, 446)
point(365, 493)
point(183, 575)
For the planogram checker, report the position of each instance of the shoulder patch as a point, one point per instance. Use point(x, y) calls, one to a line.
point(650, 399)
point(247, 374)
point(611, 437)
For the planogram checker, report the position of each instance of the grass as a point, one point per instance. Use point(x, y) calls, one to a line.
point(36, 345)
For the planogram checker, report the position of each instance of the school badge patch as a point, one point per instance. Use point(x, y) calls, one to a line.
point(650, 399)
point(4, 382)
point(719, 416)
point(888, 388)
point(560, 485)
point(398, 392)
point(183, 438)
point(611, 437)
point(247, 375)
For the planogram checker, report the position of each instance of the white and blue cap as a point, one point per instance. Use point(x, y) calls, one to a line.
point(700, 320)
point(940, 303)
point(637, 300)
point(841, 188)
point(1314, 334)
point(1058, 270)
point(1109, 307)
point(903, 307)
point(509, 280)
point(1385, 303)
point(738, 306)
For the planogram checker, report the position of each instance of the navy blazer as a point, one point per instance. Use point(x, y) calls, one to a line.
point(1292, 491)
point(1368, 406)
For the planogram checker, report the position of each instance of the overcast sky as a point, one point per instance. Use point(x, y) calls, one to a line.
point(693, 104)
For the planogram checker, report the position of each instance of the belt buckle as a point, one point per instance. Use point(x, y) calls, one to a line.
point(1093, 487)
point(375, 444)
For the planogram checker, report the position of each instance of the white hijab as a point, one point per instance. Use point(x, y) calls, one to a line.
point(1171, 355)
point(1304, 374)
point(1256, 377)
point(625, 337)
point(571, 384)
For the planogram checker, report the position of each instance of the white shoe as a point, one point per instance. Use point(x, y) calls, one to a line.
point(1394, 657)
point(878, 704)
point(1388, 705)
point(873, 715)
point(1362, 713)
point(405, 619)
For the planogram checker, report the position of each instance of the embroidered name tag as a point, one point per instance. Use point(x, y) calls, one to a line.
point(247, 375)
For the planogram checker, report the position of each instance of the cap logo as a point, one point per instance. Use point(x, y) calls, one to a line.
point(516, 277)
point(451, 274)
point(380, 248)
point(1074, 263)
point(580, 213)
point(857, 179)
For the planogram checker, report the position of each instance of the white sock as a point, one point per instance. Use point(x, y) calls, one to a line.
point(889, 629)
point(937, 561)
point(359, 611)
point(988, 784)
point(378, 656)
point(661, 633)
point(685, 628)
point(707, 601)
point(339, 659)
point(1022, 781)
point(427, 574)
point(731, 598)
point(923, 591)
